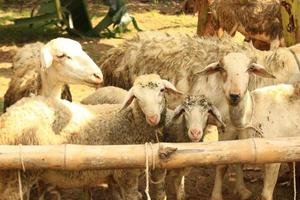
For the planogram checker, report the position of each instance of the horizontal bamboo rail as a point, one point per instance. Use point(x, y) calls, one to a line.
point(166, 155)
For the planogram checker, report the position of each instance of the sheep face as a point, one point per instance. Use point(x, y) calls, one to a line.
point(197, 111)
point(235, 70)
point(149, 93)
point(70, 63)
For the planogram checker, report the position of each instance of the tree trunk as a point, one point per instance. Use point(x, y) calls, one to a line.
point(202, 16)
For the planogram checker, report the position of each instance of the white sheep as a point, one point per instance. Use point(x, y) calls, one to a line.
point(44, 69)
point(187, 124)
point(273, 111)
point(109, 94)
point(41, 120)
point(234, 70)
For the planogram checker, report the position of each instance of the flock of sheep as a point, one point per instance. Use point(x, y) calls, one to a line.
point(156, 86)
point(204, 80)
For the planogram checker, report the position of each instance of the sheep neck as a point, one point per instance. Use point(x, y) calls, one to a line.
point(241, 115)
point(176, 130)
point(50, 86)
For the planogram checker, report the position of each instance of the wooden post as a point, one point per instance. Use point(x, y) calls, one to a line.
point(167, 155)
point(202, 16)
point(290, 13)
point(297, 18)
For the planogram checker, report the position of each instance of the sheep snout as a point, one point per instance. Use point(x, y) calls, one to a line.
point(195, 135)
point(153, 120)
point(234, 99)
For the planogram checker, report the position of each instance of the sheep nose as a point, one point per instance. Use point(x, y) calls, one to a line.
point(195, 135)
point(234, 99)
point(195, 132)
point(153, 119)
point(97, 78)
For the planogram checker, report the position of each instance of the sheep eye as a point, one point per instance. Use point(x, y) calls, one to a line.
point(220, 69)
point(63, 56)
point(162, 90)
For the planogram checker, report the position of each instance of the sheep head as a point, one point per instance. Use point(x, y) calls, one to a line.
point(148, 91)
point(235, 70)
point(197, 113)
point(69, 63)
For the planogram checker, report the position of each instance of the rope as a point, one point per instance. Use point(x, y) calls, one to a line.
point(21, 157)
point(255, 149)
point(19, 172)
point(147, 172)
point(20, 185)
point(249, 125)
point(65, 156)
point(153, 159)
point(294, 181)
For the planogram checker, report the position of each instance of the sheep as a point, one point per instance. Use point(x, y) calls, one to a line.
point(61, 122)
point(274, 111)
point(44, 69)
point(176, 57)
point(109, 95)
point(187, 124)
point(258, 19)
point(234, 70)
point(181, 58)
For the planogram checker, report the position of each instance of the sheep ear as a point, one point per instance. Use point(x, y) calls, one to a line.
point(209, 69)
point(259, 70)
point(128, 100)
point(170, 87)
point(214, 112)
point(46, 58)
point(179, 110)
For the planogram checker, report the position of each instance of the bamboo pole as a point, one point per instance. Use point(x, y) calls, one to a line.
point(79, 157)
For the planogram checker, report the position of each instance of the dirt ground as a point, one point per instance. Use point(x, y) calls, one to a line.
point(161, 17)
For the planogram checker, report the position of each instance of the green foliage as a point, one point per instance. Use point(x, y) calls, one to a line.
point(290, 12)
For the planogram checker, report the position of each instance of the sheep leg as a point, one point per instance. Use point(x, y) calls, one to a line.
point(128, 183)
point(275, 44)
point(217, 190)
point(175, 184)
point(86, 194)
point(270, 179)
point(282, 42)
point(230, 134)
point(220, 32)
point(114, 190)
point(158, 187)
point(233, 30)
point(240, 187)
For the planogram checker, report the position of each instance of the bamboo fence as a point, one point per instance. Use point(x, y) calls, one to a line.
point(159, 155)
